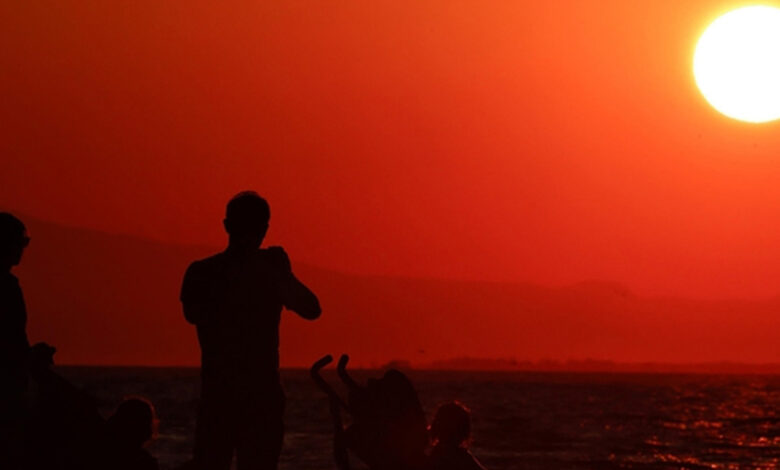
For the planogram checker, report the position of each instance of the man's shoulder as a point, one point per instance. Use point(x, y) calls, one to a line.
point(200, 273)
point(207, 265)
point(210, 261)
point(8, 280)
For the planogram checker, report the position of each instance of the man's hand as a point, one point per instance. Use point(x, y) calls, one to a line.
point(279, 259)
point(295, 296)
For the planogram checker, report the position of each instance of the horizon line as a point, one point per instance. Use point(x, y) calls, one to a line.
point(644, 368)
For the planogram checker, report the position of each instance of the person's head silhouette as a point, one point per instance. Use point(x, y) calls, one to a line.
point(246, 220)
point(13, 240)
point(451, 427)
point(133, 424)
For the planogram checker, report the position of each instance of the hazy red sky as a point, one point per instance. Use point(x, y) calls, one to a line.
point(476, 140)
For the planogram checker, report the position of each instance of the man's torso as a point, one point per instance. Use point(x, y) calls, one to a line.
point(239, 336)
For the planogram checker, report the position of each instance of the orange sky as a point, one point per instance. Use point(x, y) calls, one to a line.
point(548, 142)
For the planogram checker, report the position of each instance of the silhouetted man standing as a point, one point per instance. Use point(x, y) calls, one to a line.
point(14, 347)
point(235, 298)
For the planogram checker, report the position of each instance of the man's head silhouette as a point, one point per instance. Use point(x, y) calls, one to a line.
point(13, 240)
point(246, 220)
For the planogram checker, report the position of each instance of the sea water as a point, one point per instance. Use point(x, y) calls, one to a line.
point(520, 420)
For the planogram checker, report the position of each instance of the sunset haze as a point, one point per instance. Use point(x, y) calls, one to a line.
point(522, 155)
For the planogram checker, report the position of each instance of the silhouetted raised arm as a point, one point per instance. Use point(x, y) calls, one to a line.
point(344, 375)
point(300, 299)
point(324, 386)
point(295, 295)
point(340, 454)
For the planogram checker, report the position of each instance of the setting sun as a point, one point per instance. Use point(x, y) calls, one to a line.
point(737, 64)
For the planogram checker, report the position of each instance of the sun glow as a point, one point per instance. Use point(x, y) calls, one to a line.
point(737, 64)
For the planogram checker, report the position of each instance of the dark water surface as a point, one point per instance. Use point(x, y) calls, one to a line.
point(521, 420)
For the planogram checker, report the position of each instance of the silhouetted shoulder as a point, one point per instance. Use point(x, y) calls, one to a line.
point(10, 279)
point(9, 286)
point(200, 273)
point(272, 260)
point(207, 265)
point(197, 288)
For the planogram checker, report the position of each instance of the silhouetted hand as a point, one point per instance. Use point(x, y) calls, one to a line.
point(279, 259)
point(319, 365)
point(295, 296)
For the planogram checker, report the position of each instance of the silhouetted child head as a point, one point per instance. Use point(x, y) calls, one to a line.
point(246, 218)
point(13, 240)
point(41, 356)
point(133, 424)
point(451, 427)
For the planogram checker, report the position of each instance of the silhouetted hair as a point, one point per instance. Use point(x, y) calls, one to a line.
point(134, 422)
point(452, 424)
point(248, 206)
point(11, 228)
point(405, 426)
point(399, 395)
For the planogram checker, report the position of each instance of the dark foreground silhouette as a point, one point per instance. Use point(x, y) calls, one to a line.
point(67, 432)
point(14, 347)
point(387, 429)
point(235, 299)
point(450, 433)
point(45, 422)
point(127, 432)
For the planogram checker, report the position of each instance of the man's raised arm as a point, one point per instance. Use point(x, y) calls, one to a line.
point(295, 295)
point(299, 298)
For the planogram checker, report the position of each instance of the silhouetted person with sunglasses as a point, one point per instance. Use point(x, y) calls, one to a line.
point(14, 347)
point(235, 299)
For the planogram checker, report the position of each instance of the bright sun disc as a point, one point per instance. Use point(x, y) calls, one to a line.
point(737, 64)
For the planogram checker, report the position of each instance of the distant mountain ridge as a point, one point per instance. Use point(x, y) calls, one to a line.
point(113, 300)
point(601, 366)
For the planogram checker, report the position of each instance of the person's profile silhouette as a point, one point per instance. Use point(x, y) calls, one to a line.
point(235, 299)
point(14, 346)
point(451, 434)
point(128, 430)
